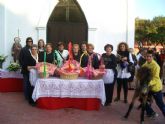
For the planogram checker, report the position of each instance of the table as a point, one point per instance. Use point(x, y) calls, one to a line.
point(10, 81)
point(55, 93)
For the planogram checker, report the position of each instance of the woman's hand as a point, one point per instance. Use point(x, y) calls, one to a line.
point(102, 66)
point(124, 59)
point(31, 67)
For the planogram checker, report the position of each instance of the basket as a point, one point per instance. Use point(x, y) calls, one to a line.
point(41, 75)
point(69, 76)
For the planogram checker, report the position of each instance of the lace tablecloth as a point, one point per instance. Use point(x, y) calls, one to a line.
point(80, 88)
point(33, 76)
point(8, 74)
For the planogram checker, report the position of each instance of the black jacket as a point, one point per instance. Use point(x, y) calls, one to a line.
point(76, 57)
point(109, 61)
point(31, 61)
point(24, 58)
point(49, 57)
point(122, 54)
point(95, 61)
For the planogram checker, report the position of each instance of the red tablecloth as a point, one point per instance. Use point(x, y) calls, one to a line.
point(52, 103)
point(11, 85)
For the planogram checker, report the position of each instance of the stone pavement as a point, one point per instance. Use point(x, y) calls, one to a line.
point(15, 110)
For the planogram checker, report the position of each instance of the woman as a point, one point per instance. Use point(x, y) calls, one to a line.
point(49, 54)
point(63, 52)
point(41, 45)
point(109, 60)
point(76, 53)
point(93, 55)
point(83, 48)
point(123, 74)
point(32, 61)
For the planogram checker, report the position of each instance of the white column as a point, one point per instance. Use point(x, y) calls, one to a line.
point(130, 23)
point(2, 28)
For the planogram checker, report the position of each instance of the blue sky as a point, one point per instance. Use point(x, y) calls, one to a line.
point(147, 9)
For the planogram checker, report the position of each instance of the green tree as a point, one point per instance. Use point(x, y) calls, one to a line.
point(151, 31)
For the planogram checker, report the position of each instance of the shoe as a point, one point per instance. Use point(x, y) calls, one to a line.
point(153, 116)
point(116, 99)
point(164, 94)
point(125, 101)
point(107, 104)
point(131, 89)
point(32, 103)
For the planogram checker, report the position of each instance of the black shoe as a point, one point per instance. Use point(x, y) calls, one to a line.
point(153, 115)
point(164, 94)
point(32, 103)
point(125, 101)
point(131, 89)
point(116, 99)
point(106, 104)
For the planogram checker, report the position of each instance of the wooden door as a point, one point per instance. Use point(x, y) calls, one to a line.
point(67, 23)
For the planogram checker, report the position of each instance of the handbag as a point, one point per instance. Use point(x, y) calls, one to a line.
point(131, 68)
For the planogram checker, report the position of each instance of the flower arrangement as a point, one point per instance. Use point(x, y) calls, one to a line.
point(2, 59)
point(71, 68)
point(47, 67)
point(92, 73)
point(13, 66)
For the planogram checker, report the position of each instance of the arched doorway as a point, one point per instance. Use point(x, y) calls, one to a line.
point(67, 23)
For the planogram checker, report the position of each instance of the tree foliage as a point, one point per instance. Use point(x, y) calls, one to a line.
point(151, 31)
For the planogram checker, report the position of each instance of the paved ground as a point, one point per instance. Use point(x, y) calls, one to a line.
point(15, 110)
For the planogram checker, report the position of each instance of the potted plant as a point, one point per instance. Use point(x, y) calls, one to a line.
point(2, 59)
point(13, 66)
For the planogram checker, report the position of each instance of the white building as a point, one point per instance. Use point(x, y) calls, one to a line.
point(109, 21)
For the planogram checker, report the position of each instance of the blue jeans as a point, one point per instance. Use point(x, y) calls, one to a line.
point(158, 96)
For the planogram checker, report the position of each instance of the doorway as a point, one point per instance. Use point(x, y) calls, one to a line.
point(67, 23)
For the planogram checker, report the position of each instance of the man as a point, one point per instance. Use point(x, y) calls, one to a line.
point(23, 60)
point(155, 84)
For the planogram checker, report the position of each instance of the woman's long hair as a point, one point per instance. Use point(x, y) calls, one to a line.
point(122, 43)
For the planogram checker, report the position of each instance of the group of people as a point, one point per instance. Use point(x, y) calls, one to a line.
point(123, 65)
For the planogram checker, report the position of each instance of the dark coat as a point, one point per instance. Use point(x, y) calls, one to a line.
point(95, 61)
point(31, 61)
point(109, 61)
point(49, 57)
point(24, 58)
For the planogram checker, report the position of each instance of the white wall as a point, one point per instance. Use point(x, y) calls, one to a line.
point(2, 28)
point(107, 21)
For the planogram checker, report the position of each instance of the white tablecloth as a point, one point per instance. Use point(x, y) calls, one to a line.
point(10, 74)
point(33, 76)
point(80, 88)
